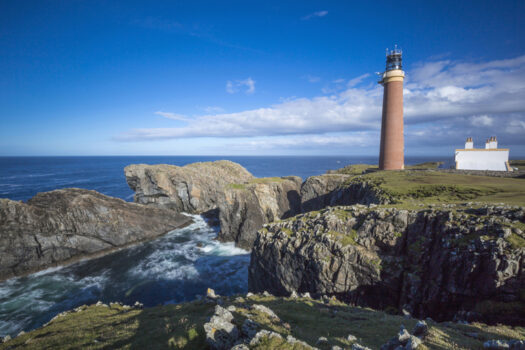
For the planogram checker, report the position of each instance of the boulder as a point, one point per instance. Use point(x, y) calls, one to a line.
point(420, 329)
point(221, 333)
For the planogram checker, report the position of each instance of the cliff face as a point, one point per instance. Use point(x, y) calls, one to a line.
point(71, 223)
point(319, 192)
point(241, 202)
point(441, 263)
point(194, 188)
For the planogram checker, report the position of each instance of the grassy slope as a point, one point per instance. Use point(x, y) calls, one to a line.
point(181, 327)
point(520, 164)
point(416, 187)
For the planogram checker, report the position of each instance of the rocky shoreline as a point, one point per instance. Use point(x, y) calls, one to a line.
point(341, 237)
point(63, 226)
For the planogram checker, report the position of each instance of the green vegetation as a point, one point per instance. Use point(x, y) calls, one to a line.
point(516, 241)
point(266, 180)
point(237, 186)
point(345, 238)
point(520, 164)
point(259, 180)
point(413, 188)
point(426, 165)
point(181, 327)
point(354, 169)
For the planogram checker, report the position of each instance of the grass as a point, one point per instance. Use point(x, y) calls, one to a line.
point(426, 165)
point(181, 327)
point(415, 187)
point(354, 169)
point(516, 241)
point(260, 180)
point(348, 238)
point(520, 164)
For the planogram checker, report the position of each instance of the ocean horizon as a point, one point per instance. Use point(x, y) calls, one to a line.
point(21, 177)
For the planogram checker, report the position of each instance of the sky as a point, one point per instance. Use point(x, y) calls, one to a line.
point(256, 77)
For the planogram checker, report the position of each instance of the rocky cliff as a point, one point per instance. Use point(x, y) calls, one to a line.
point(223, 189)
point(56, 226)
point(442, 262)
point(319, 192)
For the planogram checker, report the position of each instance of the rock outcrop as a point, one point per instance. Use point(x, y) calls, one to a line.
point(319, 192)
point(437, 262)
point(223, 189)
point(56, 226)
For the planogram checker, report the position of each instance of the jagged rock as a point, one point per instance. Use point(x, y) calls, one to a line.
point(292, 341)
point(249, 328)
point(294, 295)
point(496, 344)
point(420, 329)
point(6, 338)
point(266, 294)
point(356, 346)
point(262, 334)
point(430, 262)
point(138, 305)
point(266, 310)
point(329, 190)
point(517, 344)
point(210, 294)
point(504, 344)
point(240, 347)
point(241, 202)
point(322, 341)
point(220, 332)
point(351, 337)
point(58, 226)
point(306, 295)
point(413, 343)
point(249, 294)
point(403, 336)
point(231, 308)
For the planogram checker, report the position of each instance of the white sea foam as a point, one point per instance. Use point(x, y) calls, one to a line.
point(46, 271)
point(187, 254)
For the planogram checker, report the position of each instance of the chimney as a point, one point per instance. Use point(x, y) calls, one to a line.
point(494, 142)
point(469, 144)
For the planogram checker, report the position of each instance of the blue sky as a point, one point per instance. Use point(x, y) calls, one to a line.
point(255, 77)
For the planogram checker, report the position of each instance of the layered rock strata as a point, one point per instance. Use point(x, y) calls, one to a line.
point(439, 262)
point(57, 226)
point(223, 189)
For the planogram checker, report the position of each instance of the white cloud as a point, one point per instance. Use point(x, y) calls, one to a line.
point(173, 116)
point(312, 78)
point(234, 86)
point(356, 81)
point(445, 101)
point(483, 120)
point(213, 109)
point(315, 14)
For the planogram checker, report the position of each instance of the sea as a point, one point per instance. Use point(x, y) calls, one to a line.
point(174, 268)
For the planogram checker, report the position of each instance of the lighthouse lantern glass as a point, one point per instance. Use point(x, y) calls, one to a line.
point(393, 60)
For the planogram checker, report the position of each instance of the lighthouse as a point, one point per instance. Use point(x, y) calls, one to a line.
point(391, 151)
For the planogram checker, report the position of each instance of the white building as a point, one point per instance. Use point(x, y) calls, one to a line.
point(489, 158)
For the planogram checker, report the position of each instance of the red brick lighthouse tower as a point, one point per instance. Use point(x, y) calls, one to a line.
point(392, 149)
